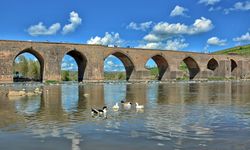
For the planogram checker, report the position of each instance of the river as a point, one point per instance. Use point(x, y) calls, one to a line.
point(181, 115)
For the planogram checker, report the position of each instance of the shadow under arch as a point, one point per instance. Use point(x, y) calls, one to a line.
point(212, 64)
point(81, 62)
point(192, 67)
point(38, 57)
point(233, 65)
point(127, 62)
point(161, 63)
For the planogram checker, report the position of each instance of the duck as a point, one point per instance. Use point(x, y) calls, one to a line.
point(137, 106)
point(116, 107)
point(102, 111)
point(126, 105)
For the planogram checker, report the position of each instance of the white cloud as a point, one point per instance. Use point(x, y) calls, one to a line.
point(40, 29)
point(214, 8)
point(164, 30)
point(242, 6)
point(216, 41)
point(178, 11)
point(74, 20)
point(151, 37)
point(174, 44)
point(142, 26)
point(209, 2)
point(110, 63)
point(243, 38)
point(110, 39)
point(113, 64)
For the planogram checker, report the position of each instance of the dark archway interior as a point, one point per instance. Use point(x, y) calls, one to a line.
point(129, 66)
point(38, 57)
point(162, 65)
point(212, 64)
point(81, 63)
point(192, 67)
point(233, 65)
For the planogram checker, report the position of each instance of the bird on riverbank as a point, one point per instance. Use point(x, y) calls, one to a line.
point(137, 106)
point(116, 107)
point(99, 112)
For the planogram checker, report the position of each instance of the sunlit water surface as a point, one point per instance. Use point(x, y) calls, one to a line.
point(176, 116)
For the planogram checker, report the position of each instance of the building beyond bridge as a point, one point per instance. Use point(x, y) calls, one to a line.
point(90, 61)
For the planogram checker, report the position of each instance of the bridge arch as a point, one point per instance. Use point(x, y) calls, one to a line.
point(192, 66)
point(80, 60)
point(37, 55)
point(126, 60)
point(212, 64)
point(161, 63)
point(233, 65)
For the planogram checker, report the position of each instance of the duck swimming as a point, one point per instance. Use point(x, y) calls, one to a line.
point(126, 105)
point(116, 107)
point(137, 106)
point(102, 111)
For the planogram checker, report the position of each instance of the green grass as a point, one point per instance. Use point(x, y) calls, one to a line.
point(239, 50)
point(51, 82)
point(114, 75)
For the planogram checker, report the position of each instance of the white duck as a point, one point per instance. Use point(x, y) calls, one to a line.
point(116, 107)
point(137, 106)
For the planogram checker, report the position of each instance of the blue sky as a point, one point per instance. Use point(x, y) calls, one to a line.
point(194, 25)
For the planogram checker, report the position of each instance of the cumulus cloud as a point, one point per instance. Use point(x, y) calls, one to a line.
point(74, 20)
point(240, 6)
point(216, 41)
point(171, 44)
point(110, 39)
point(164, 30)
point(243, 38)
point(113, 64)
point(142, 26)
point(40, 29)
point(209, 2)
point(178, 11)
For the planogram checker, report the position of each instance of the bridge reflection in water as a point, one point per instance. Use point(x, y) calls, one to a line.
point(176, 111)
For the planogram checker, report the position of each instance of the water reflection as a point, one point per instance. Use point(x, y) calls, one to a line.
point(194, 113)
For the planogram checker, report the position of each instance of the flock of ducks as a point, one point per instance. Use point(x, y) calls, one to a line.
point(116, 107)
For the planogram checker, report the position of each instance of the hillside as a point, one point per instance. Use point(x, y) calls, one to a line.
point(239, 50)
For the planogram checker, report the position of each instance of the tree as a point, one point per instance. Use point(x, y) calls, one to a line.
point(34, 71)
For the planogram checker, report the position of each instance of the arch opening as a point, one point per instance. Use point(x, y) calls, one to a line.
point(190, 68)
point(73, 66)
point(28, 66)
point(157, 65)
point(212, 64)
point(117, 66)
point(233, 65)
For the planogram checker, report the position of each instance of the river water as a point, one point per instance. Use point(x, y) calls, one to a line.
point(176, 116)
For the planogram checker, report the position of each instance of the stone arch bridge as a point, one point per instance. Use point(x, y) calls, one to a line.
point(90, 61)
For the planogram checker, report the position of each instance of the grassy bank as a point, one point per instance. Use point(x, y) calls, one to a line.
point(238, 50)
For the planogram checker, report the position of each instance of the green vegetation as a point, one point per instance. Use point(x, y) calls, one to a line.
point(114, 75)
point(239, 50)
point(216, 78)
point(154, 72)
point(183, 67)
point(51, 82)
point(69, 75)
point(26, 69)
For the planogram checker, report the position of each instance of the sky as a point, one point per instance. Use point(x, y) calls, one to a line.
point(193, 25)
